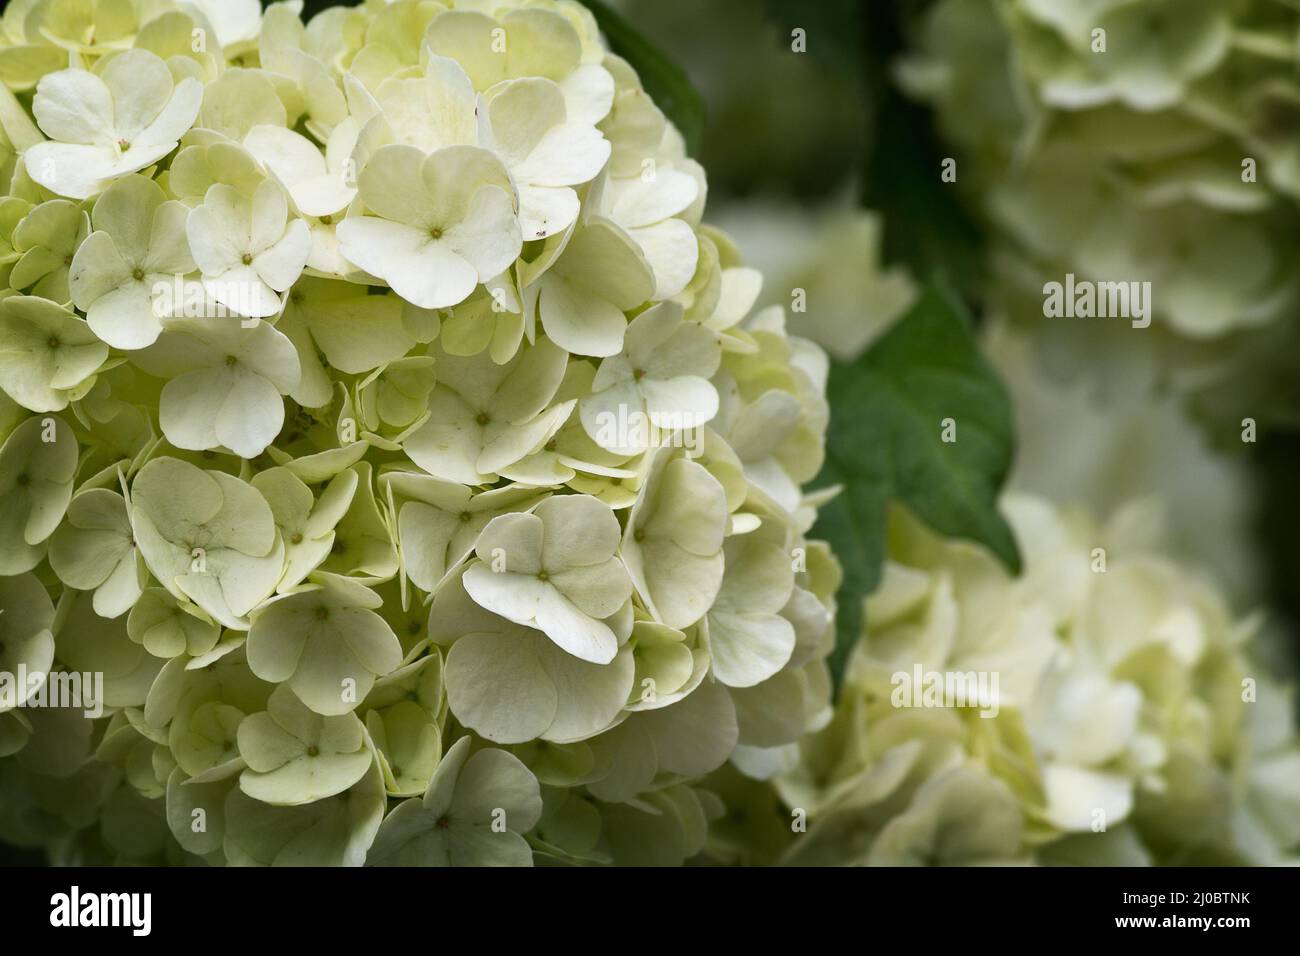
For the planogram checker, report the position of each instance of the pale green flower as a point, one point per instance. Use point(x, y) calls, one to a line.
point(772, 717)
point(555, 569)
point(299, 63)
point(1066, 145)
point(439, 521)
point(388, 43)
point(225, 382)
point(325, 642)
point(338, 325)
point(572, 458)
point(485, 416)
point(665, 829)
point(409, 745)
point(47, 238)
point(87, 28)
point(206, 160)
point(832, 253)
point(106, 125)
point(37, 464)
point(239, 100)
point(347, 301)
point(48, 356)
point(1266, 823)
point(673, 541)
point(766, 435)
point(207, 537)
point(661, 378)
point(1229, 275)
point(428, 112)
point(691, 738)
point(248, 250)
point(581, 299)
point(95, 551)
point(295, 756)
point(959, 818)
point(26, 637)
point(393, 400)
point(568, 829)
point(363, 541)
point(1109, 740)
point(527, 125)
point(170, 35)
point(1179, 42)
point(472, 814)
point(668, 665)
point(491, 319)
point(748, 640)
point(184, 685)
point(419, 681)
point(319, 184)
point(518, 685)
point(634, 124)
point(653, 209)
point(441, 223)
point(511, 684)
point(306, 524)
point(336, 831)
point(1083, 723)
point(183, 797)
point(137, 250)
point(12, 211)
point(204, 741)
point(168, 627)
point(532, 42)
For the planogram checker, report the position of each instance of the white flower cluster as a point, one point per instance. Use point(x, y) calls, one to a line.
point(1134, 141)
point(1102, 709)
point(384, 432)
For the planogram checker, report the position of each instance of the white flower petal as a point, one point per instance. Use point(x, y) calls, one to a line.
point(423, 271)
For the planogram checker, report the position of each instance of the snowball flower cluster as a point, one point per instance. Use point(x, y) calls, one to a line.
point(396, 469)
point(1128, 724)
point(1134, 140)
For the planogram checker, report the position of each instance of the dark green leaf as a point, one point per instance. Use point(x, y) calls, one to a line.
point(927, 226)
point(886, 443)
point(663, 79)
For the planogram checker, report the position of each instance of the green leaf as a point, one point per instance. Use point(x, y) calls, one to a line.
point(835, 30)
point(927, 226)
point(663, 79)
point(886, 443)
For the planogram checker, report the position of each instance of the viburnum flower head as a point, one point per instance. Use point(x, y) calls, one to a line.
point(1095, 665)
point(308, 345)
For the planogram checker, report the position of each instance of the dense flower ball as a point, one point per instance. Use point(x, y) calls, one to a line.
point(1135, 140)
point(1129, 723)
point(386, 442)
